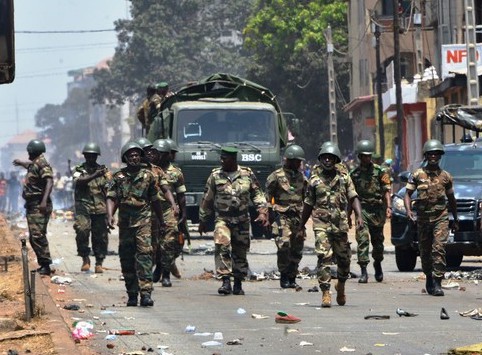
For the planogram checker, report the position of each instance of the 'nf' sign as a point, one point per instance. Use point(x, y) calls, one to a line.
point(454, 58)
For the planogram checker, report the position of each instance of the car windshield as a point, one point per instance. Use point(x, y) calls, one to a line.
point(463, 164)
point(256, 127)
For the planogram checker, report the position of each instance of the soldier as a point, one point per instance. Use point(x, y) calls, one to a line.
point(227, 194)
point(329, 192)
point(373, 186)
point(432, 184)
point(90, 193)
point(134, 190)
point(170, 248)
point(38, 205)
point(163, 90)
point(144, 109)
point(285, 190)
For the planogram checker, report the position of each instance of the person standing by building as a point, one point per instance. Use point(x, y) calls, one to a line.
point(373, 186)
point(38, 205)
point(90, 194)
point(134, 190)
point(434, 188)
point(227, 195)
point(13, 192)
point(329, 192)
point(3, 193)
point(285, 192)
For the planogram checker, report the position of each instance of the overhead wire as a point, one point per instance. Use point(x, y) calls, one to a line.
point(65, 31)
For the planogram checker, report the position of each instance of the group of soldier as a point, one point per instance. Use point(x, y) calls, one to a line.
point(148, 194)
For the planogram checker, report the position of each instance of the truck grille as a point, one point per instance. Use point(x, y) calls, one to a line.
point(466, 205)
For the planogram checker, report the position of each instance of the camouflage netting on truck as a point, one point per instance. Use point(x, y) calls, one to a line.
point(469, 117)
point(229, 87)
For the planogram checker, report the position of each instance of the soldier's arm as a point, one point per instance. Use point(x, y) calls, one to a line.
point(23, 163)
point(46, 193)
point(207, 203)
point(85, 179)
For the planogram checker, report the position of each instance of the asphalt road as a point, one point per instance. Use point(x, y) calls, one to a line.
point(194, 301)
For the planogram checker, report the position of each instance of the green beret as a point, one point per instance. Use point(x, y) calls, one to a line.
point(229, 150)
point(376, 156)
point(162, 85)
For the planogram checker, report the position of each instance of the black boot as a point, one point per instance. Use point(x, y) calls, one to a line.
point(364, 276)
point(238, 288)
point(44, 270)
point(437, 289)
point(284, 281)
point(429, 285)
point(132, 301)
point(378, 271)
point(225, 289)
point(156, 274)
point(166, 281)
point(293, 283)
point(146, 300)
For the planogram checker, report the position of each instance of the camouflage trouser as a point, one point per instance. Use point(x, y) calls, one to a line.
point(231, 246)
point(432, 237)
point(290, 248)
point(169, 248)
point(135, 253)
point(84, 226)
point(329, 244)
point(37, 229)
point(372, 231)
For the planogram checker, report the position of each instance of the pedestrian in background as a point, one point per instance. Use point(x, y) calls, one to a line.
point(373, 186)
point(38, 205)
point(227, 195)
point(3, 193)
point(134, 190)
point(285, 192)
point(13, 192)
point(329, 192)
point(434, 188)
point(90, 185)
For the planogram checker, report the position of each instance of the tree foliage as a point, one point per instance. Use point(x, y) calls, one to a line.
point(172, 40)
point(286, 38)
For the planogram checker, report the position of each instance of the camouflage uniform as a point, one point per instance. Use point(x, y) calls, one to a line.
point(432, 217)
point(143, 113)
point(228, 195)
point(169, 243)
point(329, 198)
point(285, 190)
point(134, 194)
point(153, 110)
point(371, 184)
point(35, 182)
point(90, 212)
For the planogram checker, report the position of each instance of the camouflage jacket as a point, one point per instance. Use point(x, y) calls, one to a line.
point(175, 180)
point(371, 184)
point(161, 180)
point(91, 196)
point(432, 187)
point(143, 112)
point(154, 108)
point(35, 180)
point(133, 194)
point(329, 197)
point(228, 195)
point(285, 190)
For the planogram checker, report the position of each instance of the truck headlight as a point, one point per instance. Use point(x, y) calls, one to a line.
point(190, 199)
point(398, 205)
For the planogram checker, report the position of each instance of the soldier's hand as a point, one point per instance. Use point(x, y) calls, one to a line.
point(43, 209)
point(175, 210)
point(201, 228)
point(455, 225)
point(359, 223)
point(389, 212)
point(263, 219)
point(411, 216)
point(301, 233)
point(111, 222)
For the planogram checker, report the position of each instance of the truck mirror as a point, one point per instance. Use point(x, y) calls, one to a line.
point(7, 52)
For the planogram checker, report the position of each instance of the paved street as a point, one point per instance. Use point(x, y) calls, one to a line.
point(194, 301)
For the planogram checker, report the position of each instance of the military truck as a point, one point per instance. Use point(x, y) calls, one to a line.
point(463, 160)
point(222, 110)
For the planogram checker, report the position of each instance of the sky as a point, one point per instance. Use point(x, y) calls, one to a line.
point(43, 60)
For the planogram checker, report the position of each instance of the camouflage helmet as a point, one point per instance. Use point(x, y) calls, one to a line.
point(173, 144)
point(91, 148)
point(162, 146)
point(330, 148)
point(129, 146)
point(36, 146)
point(143, 142)
point(433, 145)
point(294, 152)
point(365, 147)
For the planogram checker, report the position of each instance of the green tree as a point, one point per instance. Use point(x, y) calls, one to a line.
point(172, 40)
point(288, 47)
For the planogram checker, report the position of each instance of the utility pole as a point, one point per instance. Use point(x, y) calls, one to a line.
point(472, 75)
point(331, 88)
point(381, 128)
point(398, 84)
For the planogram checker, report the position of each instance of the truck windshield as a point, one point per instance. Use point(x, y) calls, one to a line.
point(463, 164)
point(226, 126)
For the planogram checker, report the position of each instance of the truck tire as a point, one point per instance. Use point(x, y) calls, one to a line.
point(406, 259)
point(454, 259)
